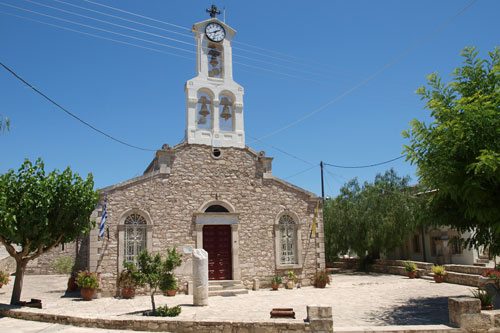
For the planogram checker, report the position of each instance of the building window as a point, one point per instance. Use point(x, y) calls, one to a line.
point(416, 243)
point(288, 240)
point(455, 244)
point(135, 236)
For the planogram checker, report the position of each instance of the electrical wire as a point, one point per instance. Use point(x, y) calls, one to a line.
point(371, 77)
point(284, 152)
point(301, 172)
point(71, 114)
point(364, 166)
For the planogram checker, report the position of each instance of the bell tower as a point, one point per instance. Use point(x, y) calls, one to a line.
point(214, 102)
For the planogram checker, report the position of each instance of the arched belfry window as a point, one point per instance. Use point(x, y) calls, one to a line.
point(215, 66)
point(288, 240)
point(204, 109)
point(226, 114)
point(216, 209)
point(135, 236)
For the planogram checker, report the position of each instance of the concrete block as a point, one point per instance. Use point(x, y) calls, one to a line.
point(459, 306)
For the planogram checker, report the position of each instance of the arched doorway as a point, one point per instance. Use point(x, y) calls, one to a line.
point(217, 243)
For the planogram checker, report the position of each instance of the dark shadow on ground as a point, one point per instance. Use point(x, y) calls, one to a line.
point(71, 294)
point(417, 311)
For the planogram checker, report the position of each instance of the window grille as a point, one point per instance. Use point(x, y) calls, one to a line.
point(288, 240)
point(135, 237)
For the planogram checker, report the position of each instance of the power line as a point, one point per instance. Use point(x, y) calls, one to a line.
point(371, 77)
point(71, 114)
point(363, 166)
point(301, 172)
point(284, 152)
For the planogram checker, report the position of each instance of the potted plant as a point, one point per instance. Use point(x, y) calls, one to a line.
point(89, 283)
point(493, 275)
point(321, 279)
point(275, 282)
point(411, 269)
point(4, 278)
point(439, 273)
point(126, 282)
point(168, 284)
point(291, 279)
point(72, 286)
point(486, 298)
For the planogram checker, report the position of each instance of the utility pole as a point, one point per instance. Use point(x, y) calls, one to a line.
point(322, 183)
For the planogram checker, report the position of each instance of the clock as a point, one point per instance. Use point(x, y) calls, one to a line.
point(215, 32)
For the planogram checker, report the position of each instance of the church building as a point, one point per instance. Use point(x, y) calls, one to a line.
point(211, 191)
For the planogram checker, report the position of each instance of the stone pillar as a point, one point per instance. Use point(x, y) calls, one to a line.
point(200, 277)
point(457, 307)
point(320, 318)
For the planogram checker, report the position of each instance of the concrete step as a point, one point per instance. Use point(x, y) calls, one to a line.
point(484, 256)
point(483, 261)
point(231, 292)
point(479, 264)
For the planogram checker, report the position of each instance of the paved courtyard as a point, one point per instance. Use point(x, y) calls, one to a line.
point(357, 299)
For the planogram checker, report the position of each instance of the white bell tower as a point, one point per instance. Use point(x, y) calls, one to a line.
point(214, 102)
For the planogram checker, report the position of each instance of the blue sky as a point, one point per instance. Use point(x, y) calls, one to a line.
point(292, 60)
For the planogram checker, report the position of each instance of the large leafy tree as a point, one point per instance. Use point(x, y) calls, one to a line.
point(458, 152)
point(39, 211)
point(372, 218)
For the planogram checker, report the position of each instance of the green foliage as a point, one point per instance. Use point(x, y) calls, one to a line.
point(63, 265)
point(173, 260)
point(372, 218)
point(277, 280)
point(165, 311)
point(291, 276)
point(486, 297)
point(322, 277)
point(39, 211)
point(439, 270)
point(458, 153)
point(410, 266)
point(125, 279)
point(4, 278)
point(86, 279)
point(168, 282)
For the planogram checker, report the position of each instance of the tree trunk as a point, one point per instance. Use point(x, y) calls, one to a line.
point(153, 301)
point(18, 283)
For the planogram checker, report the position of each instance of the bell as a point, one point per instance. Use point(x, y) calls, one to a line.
point(226, 113)
point(204, 110)
point(214, 53)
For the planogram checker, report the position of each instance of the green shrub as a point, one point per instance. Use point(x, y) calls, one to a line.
point(276, 280)
point(322, 277)
point(168, 281)
point(439, 270)
point(486, 297)
point(165, 311)
point(410, 266)
point(291, 276)
point(63, 265)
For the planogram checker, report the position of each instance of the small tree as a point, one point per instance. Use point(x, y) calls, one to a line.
point(372, 218)
point(149, 271)
point(39, 211)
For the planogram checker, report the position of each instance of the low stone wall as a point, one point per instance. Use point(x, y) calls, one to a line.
point(467, 269)
point(466, 313)
point(319, 321)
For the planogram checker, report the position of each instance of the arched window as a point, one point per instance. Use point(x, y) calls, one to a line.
point(135, 236)
point(204, 115)
point(215, 66)
point(226, 114)
point(288, 240)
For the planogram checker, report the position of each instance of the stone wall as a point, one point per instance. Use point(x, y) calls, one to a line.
point(171, 200)
point(466, 313)
point(43, 264)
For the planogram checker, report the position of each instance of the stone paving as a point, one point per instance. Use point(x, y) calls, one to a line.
point(357, 299)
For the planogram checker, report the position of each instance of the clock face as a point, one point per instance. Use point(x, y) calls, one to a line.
point(215, 32)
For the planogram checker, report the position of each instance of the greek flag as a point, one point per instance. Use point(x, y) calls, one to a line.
point(103, 222)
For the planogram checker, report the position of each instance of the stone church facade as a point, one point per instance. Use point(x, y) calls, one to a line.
point(211, 191)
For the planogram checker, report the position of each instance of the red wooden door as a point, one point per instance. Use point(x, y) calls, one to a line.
point(217, 242)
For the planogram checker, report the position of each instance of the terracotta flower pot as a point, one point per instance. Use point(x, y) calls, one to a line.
point(487, 307)
point(87, 293)
point(72, 284)
point(412, 275)
point(275, 286)
point(438, 278)
point(128, 292)
point(171, 292)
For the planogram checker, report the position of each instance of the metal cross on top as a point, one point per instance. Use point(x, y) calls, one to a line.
point(213, 11)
